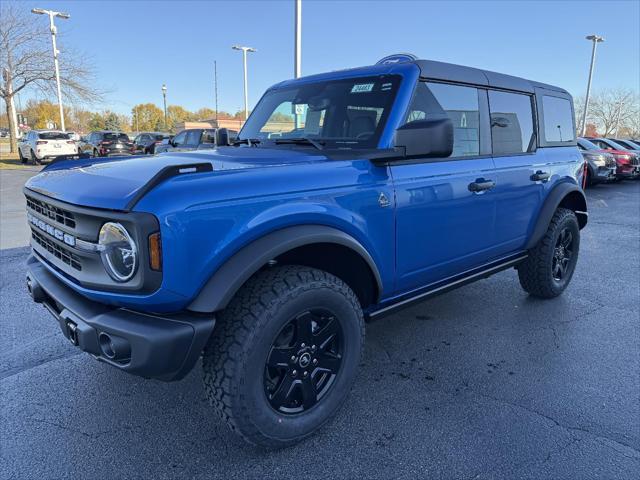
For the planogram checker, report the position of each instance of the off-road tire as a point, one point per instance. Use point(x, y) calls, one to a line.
point(234, 360)
point(535, 273)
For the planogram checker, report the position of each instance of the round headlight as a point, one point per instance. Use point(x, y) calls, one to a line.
point(118, 252)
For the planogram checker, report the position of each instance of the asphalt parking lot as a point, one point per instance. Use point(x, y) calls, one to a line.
point(482, 382)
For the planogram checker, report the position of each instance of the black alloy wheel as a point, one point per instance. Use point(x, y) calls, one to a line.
point(303, 362)
point(562, 255)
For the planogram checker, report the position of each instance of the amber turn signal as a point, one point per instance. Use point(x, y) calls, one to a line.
point(155, 251)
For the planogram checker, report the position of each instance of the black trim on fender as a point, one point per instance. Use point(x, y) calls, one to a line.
point(450, 283)
point(554, 199)
point(227, 280)
point(165, 173)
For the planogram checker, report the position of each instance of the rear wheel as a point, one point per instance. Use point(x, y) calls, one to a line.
point(34, 159)
point(284, 355)
point(551, 263)
point(21, 157)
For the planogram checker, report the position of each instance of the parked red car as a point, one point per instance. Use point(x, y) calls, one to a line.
point(628, 162)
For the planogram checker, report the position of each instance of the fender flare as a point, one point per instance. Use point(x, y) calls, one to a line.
point(218, 291)
point(551, 204)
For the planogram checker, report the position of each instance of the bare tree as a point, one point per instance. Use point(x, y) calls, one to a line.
point(26, 61)
point(612, 110)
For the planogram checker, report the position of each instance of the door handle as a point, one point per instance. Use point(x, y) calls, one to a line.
point(480, 185)
point(540, 176)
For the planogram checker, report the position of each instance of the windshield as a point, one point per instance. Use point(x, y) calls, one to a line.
point(349, 113)
point(587, 145)
point(628, 144)
point(116, 136)
point(53, 136)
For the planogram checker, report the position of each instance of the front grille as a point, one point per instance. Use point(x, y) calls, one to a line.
point(60, 252)
point(58, 215)
point(610, 162)
point(635, 160)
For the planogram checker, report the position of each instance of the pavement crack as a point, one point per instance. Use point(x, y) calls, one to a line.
point(609, 441)
point(11, 372)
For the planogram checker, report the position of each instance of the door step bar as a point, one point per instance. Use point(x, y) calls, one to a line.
point(450, 284)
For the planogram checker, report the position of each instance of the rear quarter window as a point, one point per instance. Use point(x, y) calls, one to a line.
point(558, 120)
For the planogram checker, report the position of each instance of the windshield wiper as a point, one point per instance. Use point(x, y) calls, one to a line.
point(301, 141)
point(248, 141)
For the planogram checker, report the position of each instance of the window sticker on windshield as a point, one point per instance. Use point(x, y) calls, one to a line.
point(362, 88)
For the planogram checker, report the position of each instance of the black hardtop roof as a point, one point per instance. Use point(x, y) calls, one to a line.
point(434, 70)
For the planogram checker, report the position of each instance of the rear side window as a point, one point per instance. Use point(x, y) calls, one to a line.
point(558, 119)
point(460, 104)
point(511, 123)
point(53, 136)
point(208, 136)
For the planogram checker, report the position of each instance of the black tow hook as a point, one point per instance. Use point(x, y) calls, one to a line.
point(72, 331)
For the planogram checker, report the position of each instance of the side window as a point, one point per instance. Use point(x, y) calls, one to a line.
point(180, 138)
point(193, 137)
point(460, 104)
point(558, 120)
point(511, 123)
point(208, 136)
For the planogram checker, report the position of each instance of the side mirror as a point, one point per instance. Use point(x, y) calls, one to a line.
point(431, 137)
point(222, 137)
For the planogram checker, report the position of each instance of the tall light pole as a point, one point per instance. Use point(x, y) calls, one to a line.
point(298, 39)
point(595, 39)
point(297, 52)
point(244, 64)
point(54, 31)
point(164, 99)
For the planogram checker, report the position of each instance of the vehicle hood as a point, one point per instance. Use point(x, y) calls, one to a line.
point(112, 183)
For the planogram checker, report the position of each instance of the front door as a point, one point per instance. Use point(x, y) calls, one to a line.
point(445, 213)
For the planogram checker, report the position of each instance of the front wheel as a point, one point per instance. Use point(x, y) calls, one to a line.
point(284, 354)
point(551, 263)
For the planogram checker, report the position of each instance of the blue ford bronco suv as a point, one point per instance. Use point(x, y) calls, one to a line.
point(346, 196)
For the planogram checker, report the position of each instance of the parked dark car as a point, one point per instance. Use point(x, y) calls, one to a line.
point(146, 142)
point(601, 165)
point(193, 139)
point(628, 162)
point(105, 143)
point(628, 144)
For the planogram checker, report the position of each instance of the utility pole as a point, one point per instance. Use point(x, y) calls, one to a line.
point(215, 87)
point(595, 39)
point(244, 64)
point(54, 31)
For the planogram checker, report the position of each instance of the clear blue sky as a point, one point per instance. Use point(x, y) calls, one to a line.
point(136, 46)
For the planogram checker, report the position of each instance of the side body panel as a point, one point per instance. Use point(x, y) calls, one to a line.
point(442, 227)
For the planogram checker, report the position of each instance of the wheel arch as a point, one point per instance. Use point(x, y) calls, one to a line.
point(316, 246)
point(565, 195)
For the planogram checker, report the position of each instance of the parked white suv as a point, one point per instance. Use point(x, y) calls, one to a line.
point(45, 145)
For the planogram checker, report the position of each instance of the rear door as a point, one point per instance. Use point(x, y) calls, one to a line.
point(443, 227)
point(521, 167)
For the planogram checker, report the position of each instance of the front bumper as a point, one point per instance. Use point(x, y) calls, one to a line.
point(605, 174)
point(148, 345)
